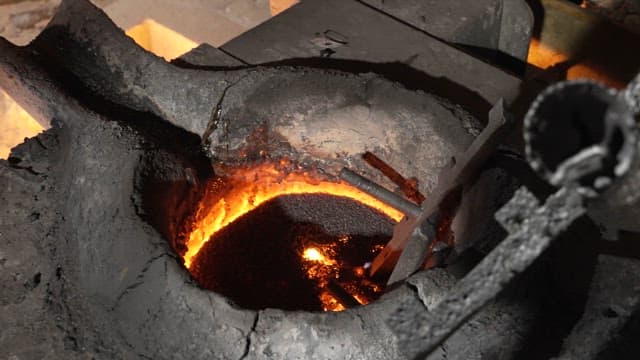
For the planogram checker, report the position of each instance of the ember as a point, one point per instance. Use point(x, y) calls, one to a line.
point(325, 260)
point(313, 254)
point(323, 265)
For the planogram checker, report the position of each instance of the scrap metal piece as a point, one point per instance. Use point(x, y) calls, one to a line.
point(380, 193)
point(451, 178)
point(420, 332)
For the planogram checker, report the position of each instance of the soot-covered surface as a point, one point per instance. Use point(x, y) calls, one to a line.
point(83, 276)
point(257, 261)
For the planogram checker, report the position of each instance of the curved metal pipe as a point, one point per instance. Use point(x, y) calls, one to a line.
point(580, 131)
point(584, 132)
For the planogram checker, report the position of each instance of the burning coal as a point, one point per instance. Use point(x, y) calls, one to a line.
point(335, 276)
point(327, 264)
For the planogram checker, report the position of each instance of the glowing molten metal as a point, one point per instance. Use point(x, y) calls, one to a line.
point(244, 189)
point(322, 266)
point(313, 254)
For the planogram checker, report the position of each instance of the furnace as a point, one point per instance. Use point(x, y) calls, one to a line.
point(375, 181)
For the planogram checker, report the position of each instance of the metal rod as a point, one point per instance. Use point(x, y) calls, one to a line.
point(409, 188)
point(342, 295)
point(380, 193)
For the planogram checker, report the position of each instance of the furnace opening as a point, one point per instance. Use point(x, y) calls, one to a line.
point(280, 235)
point(296, 252)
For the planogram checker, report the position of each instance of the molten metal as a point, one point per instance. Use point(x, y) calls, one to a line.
point(323, 266)
point(244, 189)
point(313, 254)
point(340, 282)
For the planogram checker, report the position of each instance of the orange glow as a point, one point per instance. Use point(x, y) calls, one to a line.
point(248, 188)
point(329, 303)
point(16, 125)
point(278, 6)
point(545, 57)
point(160, 40)
point(239, 190)
point(313, 254)
point(321, 267)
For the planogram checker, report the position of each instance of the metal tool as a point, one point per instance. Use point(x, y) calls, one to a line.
point(380, 193)
point(412, 236)
point(409, 187)
point(532, 227)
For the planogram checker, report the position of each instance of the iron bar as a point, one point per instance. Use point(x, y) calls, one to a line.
point(380, 193)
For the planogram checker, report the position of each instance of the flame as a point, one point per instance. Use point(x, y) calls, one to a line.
point(248, 188)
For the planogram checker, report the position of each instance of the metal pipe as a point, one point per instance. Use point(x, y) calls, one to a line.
point(584, 132)
point(380, 193)
point(409, 188)
point(580, 131)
